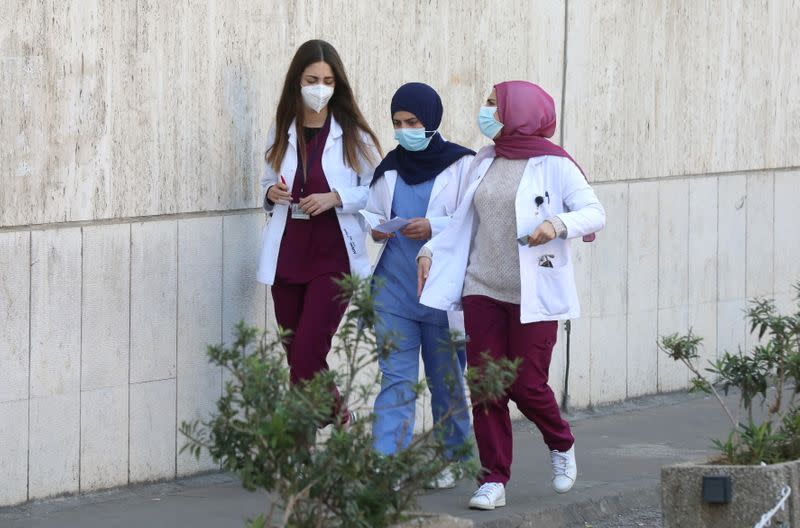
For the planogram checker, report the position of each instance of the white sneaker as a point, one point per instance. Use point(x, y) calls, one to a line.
point(489, 496)
point(565, 470)
point(444, 480)
point(352, 418)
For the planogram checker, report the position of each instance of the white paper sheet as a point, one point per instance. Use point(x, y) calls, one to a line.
point(379, 223)
point(395, 224)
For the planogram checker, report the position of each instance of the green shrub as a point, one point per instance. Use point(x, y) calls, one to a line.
point(267, 430)
point(773, 363)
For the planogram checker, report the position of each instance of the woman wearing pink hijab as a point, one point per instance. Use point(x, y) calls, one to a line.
point(504, 258)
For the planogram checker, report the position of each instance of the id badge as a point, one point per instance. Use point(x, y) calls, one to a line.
point(298, 213)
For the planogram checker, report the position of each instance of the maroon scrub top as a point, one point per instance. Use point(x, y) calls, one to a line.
point(314, 247)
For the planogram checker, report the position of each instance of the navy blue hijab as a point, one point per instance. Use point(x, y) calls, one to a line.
point(420, 166)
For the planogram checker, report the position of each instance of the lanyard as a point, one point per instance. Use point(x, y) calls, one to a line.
point(314, 150)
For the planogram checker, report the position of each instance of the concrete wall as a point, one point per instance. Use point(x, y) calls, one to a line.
point(132, 137)
point(146, 108)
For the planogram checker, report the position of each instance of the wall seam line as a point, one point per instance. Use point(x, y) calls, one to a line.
point(222, 294)
point(591, 307)
point(144, 382)
point(716, 273)
point(687, 235)
point(746, 253)
point(233, 212)
point(129, 219)
point(80, 370)
point(658, 284)
point(221, 305)
point(627, 280)
point(130, 327)
point(177, 321)
point(772, 271)
point(30, 347)
point(697, 176)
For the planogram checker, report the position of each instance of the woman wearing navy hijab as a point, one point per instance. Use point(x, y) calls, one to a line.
point(422, 180)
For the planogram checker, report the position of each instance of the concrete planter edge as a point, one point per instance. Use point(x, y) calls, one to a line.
point(755, 490)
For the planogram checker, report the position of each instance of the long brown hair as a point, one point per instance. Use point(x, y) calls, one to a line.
point(342, 105)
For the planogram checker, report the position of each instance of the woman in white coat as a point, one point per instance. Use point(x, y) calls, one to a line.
point(421, 180)
point(505, 258)
point(320, 158)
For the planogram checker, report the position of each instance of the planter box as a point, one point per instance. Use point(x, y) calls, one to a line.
point(754, 491)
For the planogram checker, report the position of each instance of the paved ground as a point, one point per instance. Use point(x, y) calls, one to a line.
point(639, 518)
point(620, 451)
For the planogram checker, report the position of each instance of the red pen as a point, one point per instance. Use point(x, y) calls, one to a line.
point(283, 180)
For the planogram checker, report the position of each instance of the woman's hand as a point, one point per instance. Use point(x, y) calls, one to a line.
point(542, 234)
point(379, 236)
point(423, 269)
point(318, 203)
point(279, 194)
point(417, 229)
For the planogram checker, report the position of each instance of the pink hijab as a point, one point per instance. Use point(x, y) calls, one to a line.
point(528, 114)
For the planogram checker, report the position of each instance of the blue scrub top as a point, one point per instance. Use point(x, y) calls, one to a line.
point(397, 268)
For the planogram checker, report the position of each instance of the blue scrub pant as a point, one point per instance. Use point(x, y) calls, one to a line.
point(395, 405)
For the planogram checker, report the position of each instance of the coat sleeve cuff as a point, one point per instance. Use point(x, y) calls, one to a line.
point(353, 198)
point(438, 223)
point(560, 227)
point(268, 204)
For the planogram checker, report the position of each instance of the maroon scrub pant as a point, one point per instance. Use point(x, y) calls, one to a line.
point(494, 327)
point(312, 311)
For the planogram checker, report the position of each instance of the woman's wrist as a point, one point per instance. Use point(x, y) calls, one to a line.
point(337, 198)
point(267, 201)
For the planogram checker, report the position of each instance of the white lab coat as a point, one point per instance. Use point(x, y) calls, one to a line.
point(352, 184)
point(547, 294)
point(448, 191)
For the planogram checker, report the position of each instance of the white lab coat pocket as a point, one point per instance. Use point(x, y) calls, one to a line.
point(552, 289)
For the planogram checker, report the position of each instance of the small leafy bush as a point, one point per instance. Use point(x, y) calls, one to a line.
point(774, 363)
point(268, 431)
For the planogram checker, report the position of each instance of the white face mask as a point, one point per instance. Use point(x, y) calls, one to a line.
point(316, 96)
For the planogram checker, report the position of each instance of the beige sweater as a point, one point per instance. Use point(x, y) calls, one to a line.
point(493, 268)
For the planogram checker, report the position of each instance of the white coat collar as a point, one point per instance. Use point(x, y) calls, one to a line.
point(488, 153)
point(438, 184)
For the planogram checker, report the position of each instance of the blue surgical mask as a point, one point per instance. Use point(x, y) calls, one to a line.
point(413, 139)
point(487, 123)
